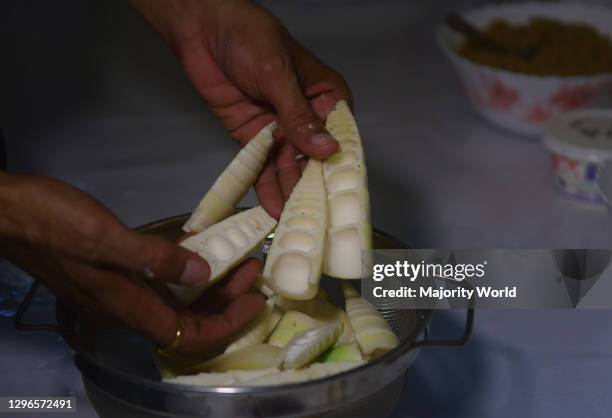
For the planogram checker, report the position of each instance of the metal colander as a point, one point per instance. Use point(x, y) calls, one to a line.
point(122, 381)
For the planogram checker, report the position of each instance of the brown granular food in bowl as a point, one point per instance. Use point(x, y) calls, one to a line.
point(556, 48)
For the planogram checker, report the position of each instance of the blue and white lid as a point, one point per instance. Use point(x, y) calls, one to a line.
point(581, 134)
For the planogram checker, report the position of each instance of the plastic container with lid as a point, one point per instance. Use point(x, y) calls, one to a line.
point(580, 143)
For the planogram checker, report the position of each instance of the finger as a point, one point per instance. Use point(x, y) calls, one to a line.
point(322, 86)
point(238, 282)
point(269, 191)
point(203, 334)
point(250, 127)
point(184, 236)
point(288, 169)
point(159, 260)
point(301, 125)
point(302, 163)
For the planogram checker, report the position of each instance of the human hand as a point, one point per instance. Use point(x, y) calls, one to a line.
point(250, 71)
point(85, 255)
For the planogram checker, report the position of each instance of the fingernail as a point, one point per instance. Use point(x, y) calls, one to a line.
point(321, 139)
point(196, 272)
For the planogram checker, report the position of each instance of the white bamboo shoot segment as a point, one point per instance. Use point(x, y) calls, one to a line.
point(312, 372)
point(224, 245)
point(307, 345)
point(349, 291)
point(275, 318)
point(346, 352)
point(349, 230)
point(221, 379)
point(263, 288)
point(231, 186)
point(265, 377)
point(290, 324)
point(322, 311)
point(255, 357)
point(372, 332)
point(256, 332)
point(165, 370)
point(295, 260)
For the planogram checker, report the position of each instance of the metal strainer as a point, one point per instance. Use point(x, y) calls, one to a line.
point(122, 381)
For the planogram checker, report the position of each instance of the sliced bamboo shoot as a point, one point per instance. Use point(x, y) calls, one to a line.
point(346, 352)
point(349, 230)
point(263, 288)
point(224, 245)
point(307, 345)
point(231, 186)
point(322, 311)
point(290, 324)
point(372, 332)
point(312, 372)
point(275, 318)
point(165, 369)
point(255, 357)
point(177, 364)
point(221, 379)
point(294, 263)
point(265, 377)
point(256, 332)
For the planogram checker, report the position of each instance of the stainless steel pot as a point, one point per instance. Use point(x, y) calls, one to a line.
point(122, 381)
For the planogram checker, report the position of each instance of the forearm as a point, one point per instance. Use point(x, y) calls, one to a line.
point(12, 225)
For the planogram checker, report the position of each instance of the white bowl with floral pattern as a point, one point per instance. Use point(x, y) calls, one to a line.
point(521, 102)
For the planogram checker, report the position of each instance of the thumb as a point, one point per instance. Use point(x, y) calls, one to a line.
point(161, 260)
point(300, 123)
